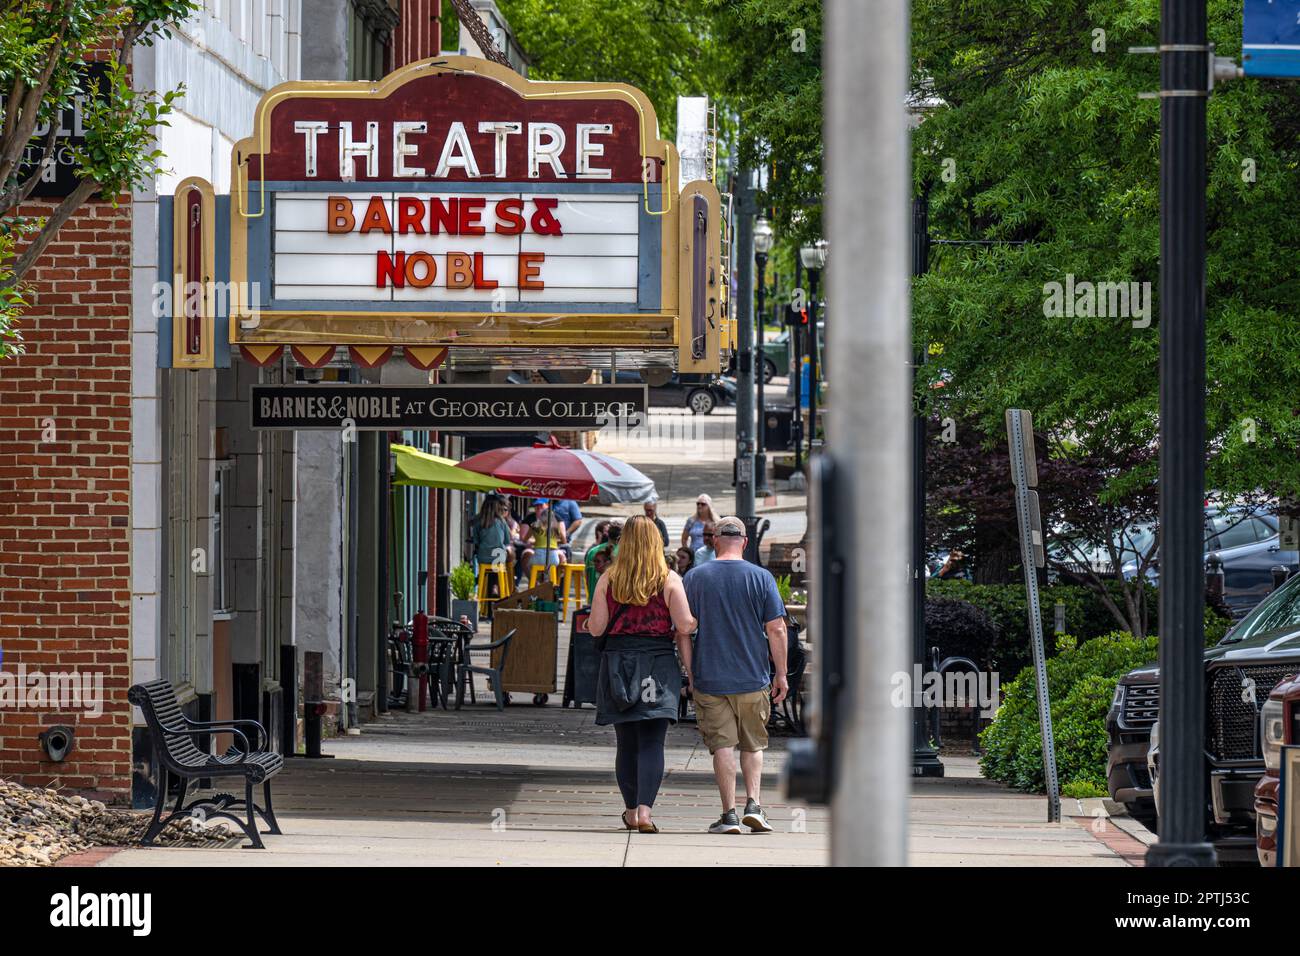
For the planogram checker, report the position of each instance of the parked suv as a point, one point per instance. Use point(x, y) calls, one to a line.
point(1240, 672)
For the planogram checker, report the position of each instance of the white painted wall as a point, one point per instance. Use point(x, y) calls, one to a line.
point(226, 57)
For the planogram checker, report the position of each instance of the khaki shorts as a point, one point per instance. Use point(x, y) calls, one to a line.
point(733, 720)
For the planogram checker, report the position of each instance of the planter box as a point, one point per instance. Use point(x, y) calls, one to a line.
point(467, 608)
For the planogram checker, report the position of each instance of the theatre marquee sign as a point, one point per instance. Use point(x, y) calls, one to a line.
point(455, 204)
point(455, 408)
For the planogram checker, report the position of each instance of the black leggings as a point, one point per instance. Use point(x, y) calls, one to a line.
point(639, 763)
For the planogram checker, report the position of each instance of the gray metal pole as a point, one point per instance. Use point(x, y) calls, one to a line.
point(1184, 78)
point(744, 253)
point(869, 425)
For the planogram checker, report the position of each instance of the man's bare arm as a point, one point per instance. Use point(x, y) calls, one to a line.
point(776, 642)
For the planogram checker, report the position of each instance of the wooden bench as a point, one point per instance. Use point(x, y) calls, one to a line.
point(175, 754)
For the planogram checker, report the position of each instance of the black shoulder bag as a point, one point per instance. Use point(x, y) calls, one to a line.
point(600, 641)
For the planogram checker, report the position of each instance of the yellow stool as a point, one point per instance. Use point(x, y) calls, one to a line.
point(485, 574)
point(573, 573)
point(535, 572)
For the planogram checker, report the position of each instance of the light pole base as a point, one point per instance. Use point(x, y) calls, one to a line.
point(926, 763)
point(760, 476)
point(1181, 854)
point(798, 482)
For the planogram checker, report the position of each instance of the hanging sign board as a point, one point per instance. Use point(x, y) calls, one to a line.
point(448, 408)
point(1270, 38)
point(456, 204)
point(58, 177)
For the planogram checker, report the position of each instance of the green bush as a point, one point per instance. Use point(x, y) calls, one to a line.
point(1081, 681)
point(463, 581)
point(1215, 626)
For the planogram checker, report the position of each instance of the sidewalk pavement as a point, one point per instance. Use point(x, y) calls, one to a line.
point(535, 786)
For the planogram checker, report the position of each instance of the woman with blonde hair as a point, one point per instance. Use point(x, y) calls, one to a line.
point(638, 608)
point(693, 530)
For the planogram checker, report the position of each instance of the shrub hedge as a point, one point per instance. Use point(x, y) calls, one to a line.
point(1081, 680)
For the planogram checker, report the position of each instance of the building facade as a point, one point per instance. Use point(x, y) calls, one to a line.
point(145, 529)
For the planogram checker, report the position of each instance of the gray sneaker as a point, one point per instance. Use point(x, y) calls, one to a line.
point(727, 823)
point(755, 818)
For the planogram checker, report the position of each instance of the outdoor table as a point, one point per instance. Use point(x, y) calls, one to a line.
point(451, 638)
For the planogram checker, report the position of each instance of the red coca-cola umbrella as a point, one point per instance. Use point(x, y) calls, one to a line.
point(549, 470)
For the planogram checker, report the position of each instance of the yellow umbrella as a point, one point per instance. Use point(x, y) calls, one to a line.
point(415, 467)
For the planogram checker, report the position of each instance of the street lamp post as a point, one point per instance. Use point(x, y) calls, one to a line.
point(925, 759)
point(762, 246)
point(813, 257)
point(796, 377)
point(1183, 93)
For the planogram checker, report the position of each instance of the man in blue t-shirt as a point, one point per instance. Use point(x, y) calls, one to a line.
point(741, 628)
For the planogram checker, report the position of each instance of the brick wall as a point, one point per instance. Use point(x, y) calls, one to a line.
point(64, 504)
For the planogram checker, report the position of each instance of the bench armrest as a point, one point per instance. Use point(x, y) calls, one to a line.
point(206, 729)
point(230, 726)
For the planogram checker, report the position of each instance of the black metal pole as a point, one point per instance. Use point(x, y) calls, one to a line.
point(744, 467)
point(760, 373)
point(925, 759)
point(813, 276)
point(796, 373)
point(1184, 74)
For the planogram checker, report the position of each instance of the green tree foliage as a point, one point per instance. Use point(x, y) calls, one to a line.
point(664, 48)
point(44, 45)
point(1036, 120)
point(773, 79)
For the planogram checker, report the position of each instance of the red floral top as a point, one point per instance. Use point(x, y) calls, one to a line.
point(650, 620)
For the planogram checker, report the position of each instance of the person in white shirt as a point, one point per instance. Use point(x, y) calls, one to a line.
point(705, 553)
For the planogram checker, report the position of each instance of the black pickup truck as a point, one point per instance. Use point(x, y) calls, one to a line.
point(1240, 671)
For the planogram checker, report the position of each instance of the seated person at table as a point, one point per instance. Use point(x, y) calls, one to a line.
point(570, 515)
point(545, 535)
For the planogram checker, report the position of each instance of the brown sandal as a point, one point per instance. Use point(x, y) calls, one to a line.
point(623, 817)
point(650, 827)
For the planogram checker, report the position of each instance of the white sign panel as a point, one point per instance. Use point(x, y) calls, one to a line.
point(448, 247)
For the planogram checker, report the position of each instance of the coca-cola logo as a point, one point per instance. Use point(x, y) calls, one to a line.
point(546, 489)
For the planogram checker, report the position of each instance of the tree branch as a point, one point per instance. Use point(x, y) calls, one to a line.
point(25, 120)
point(62, 213)
point(479, 31)
point(23, 191)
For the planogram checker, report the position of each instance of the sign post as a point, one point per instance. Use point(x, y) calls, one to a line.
point(1024, 475)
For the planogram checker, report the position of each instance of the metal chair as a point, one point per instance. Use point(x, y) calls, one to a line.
point(447, 641)
point(790, 712)
point(466, 670)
